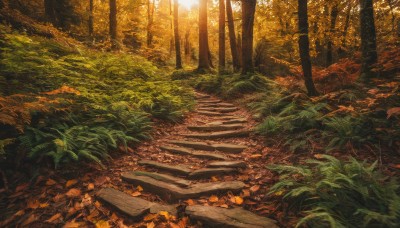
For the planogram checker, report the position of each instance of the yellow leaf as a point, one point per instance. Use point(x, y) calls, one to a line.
point(238, 200)
point(54, 218)
point(73, 192)
point(279, 193)
point(71, 182)
point(102, 224)
point(165, 214)
point(44, 205)
point(213, 199)
point(150, 217)
point(73, 224)
point(139, 188)
point(151, 225)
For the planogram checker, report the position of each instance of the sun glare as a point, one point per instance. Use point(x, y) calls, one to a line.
point(188, 3)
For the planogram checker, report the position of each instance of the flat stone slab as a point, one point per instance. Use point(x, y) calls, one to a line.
point(219, 127)
point(227, 164)
point(199, 154)
point(161, 177)
point(230, 121)
point(229, 148)
point(209, 172)
point(134, 207)
point(210, 101)
point(208, 113)
point(221, 110)
point(173, 193)
point(217, 105)
point(221, 217)
point(175, 169)
point(220, 134)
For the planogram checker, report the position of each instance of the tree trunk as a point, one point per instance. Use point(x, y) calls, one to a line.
point(178, 58)
point(239, 49)
point(391, 7)
point(150, 20)
point(248, 10)
point(90, 22)
point(368, 39)
point(113, 23)
point(304, 46)
point(187, 46)
point(333, 16)
point(204, 61)
point(232, 37)
point(49, 10)
point(221, 52)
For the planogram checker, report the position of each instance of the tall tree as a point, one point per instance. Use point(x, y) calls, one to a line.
point(232, 36)
point(221, 49)
point(368, 39)
point(150, 21)
point(113, 23)
point(90, 22)
point(178, 58)
point(304, 46)
point(333, 16)
point(49, 10)
point(248, 11)
point(204, 60)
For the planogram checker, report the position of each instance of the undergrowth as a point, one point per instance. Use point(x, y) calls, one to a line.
point(74, 104)
point(334, 193)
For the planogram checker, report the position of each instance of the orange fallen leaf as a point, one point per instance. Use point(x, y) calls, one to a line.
point(318, 156)
point(213, 199)
point(238, 200)
point(71, 182)
point(150, 217)
point(255, 188)
point(137, 193)
point(190, 202)
point(183, 222)
point(73, 192)
point(73, 224)
point(33, 204)
point(54, 218)
point(50, 182)
point(44, 205)
point(246, 192)
point(150, 225)
point(165, 214)
point(102, 224)
point(97, 204)
point(90, 186)
point(32, 218)
point(214, 179)
point(19, 213)
point(139, 188)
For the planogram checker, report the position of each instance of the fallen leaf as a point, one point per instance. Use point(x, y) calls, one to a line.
point(238, 200)
point(165, 214)
point(278, 193)
point(102, 224)
point(97, 204)
point(254, 156)
point(190, 202)
point(137, 193)
point(255, 188)
point(72, 224)
point(183, 222)
point(19, 213)
point(21, 187)
point(73, 192)
point(139, 188)
point(318, 156)
point(71, 182)
point(150, 217)
point(90, 186)
point(213, 199)
point(33, 204)
point(44, 205)
point(50, 182)
point(214, 179)
point(32, 218)
point(54, 218)
point(223, 205)
point(150, 225)
point(393, 111)
point(114, 217)
point(246, 192)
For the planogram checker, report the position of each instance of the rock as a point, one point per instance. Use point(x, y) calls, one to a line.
point(175, 169)
point(173, 193)
point(210, 101)
point(221, 217)
point(135, 207)
point(220, 134)
point(161, 177)
point(199, 154)
point(227, 164)
point(229, 148)
point(216, 105)
point(217, 127)
point(221, 110)
point(209, 172)
point(207, 113)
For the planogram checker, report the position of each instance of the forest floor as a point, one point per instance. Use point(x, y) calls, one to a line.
point(69, 196)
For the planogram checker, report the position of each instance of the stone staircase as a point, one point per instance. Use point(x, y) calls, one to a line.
point(177, 182)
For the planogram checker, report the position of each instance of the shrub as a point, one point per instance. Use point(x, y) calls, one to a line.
point(335, 193)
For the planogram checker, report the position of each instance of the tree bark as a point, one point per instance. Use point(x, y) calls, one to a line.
point(368, 39)
point(204, 61)
point(113, 24)
point(304, 46)
point(248, 10)
point(150, 20)
point(232, 37)
point(239, 49)
point(49, 10)
point(329, 52)
point(178, 57)
point(90, 22)
point(221, 50)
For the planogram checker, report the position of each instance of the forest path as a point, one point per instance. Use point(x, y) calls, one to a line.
point(193, 169)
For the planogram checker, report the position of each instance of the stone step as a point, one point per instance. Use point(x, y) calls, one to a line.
point(202, 96)
point(174, 169)
point(220, 134)
point(228, 148)
point(209, 101)
point(199, 154)
point(220, 127)
point(173, 193)
point(221, 110)
point(209, 172)
point(163, 177)
point(134, 207)
point(207, 113)
point(228, 118)
point(227, 164)
point(217, 105)
point(221, 217)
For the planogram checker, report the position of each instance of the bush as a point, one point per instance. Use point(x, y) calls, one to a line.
point(334, 193)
